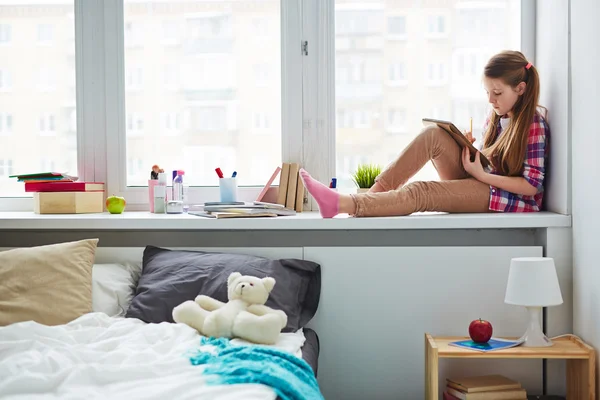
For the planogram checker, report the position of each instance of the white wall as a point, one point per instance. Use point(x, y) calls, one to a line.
point(551, 55)
point(377, 303)
point(552, 60)
point(585, 78)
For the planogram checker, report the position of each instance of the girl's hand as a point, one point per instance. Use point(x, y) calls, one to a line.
point(473, 168)
point(470, 137)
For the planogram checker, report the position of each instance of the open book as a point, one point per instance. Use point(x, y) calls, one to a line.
point(243, 210)
point(459, 137)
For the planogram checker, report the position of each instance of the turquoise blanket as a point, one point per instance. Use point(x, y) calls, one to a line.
point(290, 377)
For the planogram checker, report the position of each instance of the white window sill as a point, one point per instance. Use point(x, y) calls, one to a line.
point(303, 221)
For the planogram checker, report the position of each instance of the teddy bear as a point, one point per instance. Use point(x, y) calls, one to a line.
point(244, 316)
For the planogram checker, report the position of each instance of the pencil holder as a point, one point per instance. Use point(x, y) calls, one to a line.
point(228, 189)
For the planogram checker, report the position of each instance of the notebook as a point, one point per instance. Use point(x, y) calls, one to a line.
point(459, 137)
point(492, 345)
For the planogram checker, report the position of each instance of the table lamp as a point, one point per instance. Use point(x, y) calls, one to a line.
point(533, 283)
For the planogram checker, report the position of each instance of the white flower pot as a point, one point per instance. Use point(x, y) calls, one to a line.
point(362, 190)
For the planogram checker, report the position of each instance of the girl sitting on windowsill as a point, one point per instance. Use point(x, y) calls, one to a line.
point(515, 141)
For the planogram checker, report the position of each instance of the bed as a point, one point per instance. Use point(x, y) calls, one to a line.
point(127, 346)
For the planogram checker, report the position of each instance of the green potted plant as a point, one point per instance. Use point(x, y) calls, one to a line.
point(364, 176)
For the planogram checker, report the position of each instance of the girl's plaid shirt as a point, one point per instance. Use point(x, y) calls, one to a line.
point(534, 170)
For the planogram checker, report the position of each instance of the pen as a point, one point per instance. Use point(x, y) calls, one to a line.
point(471, 125)
point(219, 172)
point(234, 174)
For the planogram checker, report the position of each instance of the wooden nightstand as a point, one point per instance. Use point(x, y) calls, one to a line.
point(581, 364)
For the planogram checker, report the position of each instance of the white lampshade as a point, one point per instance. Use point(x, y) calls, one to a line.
point(532, 282)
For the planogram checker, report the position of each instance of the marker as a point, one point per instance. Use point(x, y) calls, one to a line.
point(333, 183)
point(234, 174)
point(219, 172)
point(471, 125)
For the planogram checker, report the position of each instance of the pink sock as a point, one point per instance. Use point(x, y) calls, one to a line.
point(327, 199)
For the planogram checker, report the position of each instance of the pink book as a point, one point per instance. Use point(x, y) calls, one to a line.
point(268, 185)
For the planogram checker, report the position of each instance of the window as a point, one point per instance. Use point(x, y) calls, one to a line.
point(344, 119)
point(134, 79)
point(396, 73)
point(396, 120)
point(396, 26)
point(6, 168)
point(445, 84)
point(206, 84)
point(171, 123)
point(134, 124)
point(5, 33)
point(436, 25)
point(5, 83)
point(35, 128)
point(45, 33)
point(6, 124)
point(436, 73)
point(261, 121)
point(46, 125)
point(206, 93)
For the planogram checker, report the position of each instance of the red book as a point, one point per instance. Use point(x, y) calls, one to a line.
point(64, 186)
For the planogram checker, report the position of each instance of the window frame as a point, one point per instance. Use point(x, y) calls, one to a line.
point(115, 166)
point(308, 84)
point(90, 130)
point(319, 80)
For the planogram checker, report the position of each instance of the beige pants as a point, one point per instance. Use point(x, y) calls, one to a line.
point(456, 192)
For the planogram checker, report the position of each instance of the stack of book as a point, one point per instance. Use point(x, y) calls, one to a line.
point(291, 189)
point(242, 210)
point(56, 193)
point(485, 387)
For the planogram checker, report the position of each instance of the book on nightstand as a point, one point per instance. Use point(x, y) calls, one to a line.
point(485, 387)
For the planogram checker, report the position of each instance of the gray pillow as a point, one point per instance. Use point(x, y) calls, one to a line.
point(170, 277)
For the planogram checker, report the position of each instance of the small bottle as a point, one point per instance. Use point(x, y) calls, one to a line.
point(160, 194)
point(180, 190)
point(177, 194)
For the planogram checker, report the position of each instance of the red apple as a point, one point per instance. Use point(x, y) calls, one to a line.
point(480, 331)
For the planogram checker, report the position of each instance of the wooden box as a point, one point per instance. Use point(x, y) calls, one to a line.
point(68, 202)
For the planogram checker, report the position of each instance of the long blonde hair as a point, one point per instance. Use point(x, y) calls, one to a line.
point(508, 152)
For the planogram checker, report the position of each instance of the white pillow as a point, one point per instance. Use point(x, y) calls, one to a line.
point(113, 286)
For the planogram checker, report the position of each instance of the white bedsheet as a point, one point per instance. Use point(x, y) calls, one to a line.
point(102, 357)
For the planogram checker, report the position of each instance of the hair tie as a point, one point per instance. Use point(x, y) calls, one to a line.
point(528, 65)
